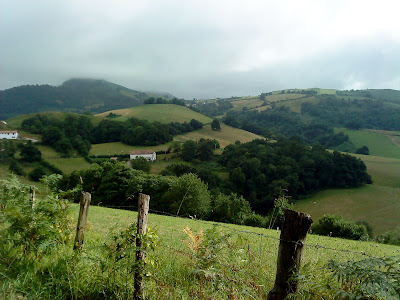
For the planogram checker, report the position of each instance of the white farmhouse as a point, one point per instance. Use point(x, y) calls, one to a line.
point(149, 155)
point(8, 135)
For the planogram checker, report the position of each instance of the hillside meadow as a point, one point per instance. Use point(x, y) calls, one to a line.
point(379, 142)
point(252, 256)
point(164, 113)
point(378, 203)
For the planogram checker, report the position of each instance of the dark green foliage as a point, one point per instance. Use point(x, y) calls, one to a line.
point(159, 100)
point(363, 150)
point(371, 278)
point(391, 237)
point(337, 226)
point(73, 95)
point(231, 208)
point(260, 170)
point(215, 125)
point(282, 122)
point(368, 113)
point(37, 173)
point(140, 163)
point(188, 196)
point(34, 230)
point(203, 149)
point(189, 150)
point(254, 220)
point(214, 109)
point(196, 124)
point(15, 167)
point(7, 150)
point(29, 152)
point(75, 134)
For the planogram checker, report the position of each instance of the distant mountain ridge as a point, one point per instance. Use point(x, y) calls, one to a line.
point(74, 95)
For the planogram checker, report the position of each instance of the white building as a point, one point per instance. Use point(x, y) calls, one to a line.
point(149, 155)
point(8, 135)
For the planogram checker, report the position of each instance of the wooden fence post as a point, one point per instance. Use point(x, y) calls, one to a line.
point(143, 212)
point(33, 195)
point(293, 235)
point(82, 219)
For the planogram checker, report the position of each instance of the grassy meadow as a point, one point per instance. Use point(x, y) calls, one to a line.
point(251, 257)
point(379, 143)
point(164, 113)
point(227, 135)
point(378, 203)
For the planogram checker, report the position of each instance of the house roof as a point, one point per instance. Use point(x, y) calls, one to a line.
point(9, 131)
point(141, 152)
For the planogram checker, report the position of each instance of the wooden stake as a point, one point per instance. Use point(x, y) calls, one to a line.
point(33, 197)
point(293, 235)
point(143, 212)
point(82, 219)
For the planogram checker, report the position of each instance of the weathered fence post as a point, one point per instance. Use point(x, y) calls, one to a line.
point(143, 212)
point(293, 235)
point(33, 195)
point(82, 219)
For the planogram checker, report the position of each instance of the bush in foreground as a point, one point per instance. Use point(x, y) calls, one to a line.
point(337, 226)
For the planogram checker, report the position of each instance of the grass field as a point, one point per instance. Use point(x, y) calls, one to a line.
point(164, 113)
point(378, 204)
point(228, 135)
point(253, 260)
point(120, 148)
point(378, 143)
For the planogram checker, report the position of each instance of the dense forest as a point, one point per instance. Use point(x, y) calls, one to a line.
point(354, 114)
point(75, 95)
point(281, 122)
point(76, 133)
point(259, 171)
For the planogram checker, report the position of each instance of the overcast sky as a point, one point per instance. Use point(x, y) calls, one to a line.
point(202, 49)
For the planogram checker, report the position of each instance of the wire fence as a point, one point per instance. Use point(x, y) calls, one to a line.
point(257, 269)
point(229, 227)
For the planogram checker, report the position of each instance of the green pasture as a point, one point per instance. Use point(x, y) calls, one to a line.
point(379, 144)
point(251, 257)
point(226, 136)
point(164, 113)
point(378, 203)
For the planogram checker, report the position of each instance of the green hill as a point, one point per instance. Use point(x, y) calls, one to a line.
point(75, 95)
point(378, 204)
point(164, 113)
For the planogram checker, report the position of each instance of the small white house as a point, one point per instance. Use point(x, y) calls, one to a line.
point(149, 155)
point(8, 135)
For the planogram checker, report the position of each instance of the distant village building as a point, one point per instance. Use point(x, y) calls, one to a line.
point(149, 155)
point(9, 135)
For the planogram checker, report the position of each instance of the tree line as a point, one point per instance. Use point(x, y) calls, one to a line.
point(75, 134)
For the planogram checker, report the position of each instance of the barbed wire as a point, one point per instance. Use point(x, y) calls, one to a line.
point(261, 235)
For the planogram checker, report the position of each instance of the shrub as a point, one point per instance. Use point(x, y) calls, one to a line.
point(391, 237)
point(254, 220)
point(37, 173)
point(230, 209)
point(337, 226)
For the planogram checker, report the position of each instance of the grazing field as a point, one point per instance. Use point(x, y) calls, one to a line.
point(378, 142)
point(252, 260)
point(228, 135)
point(378, 204)
point(120, 148)
point(164, 113)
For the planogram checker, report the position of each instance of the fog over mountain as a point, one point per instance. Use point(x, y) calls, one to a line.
point(202, 49)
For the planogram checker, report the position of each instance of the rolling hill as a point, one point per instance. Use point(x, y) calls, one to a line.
point(164, 113)
point(75, 95)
